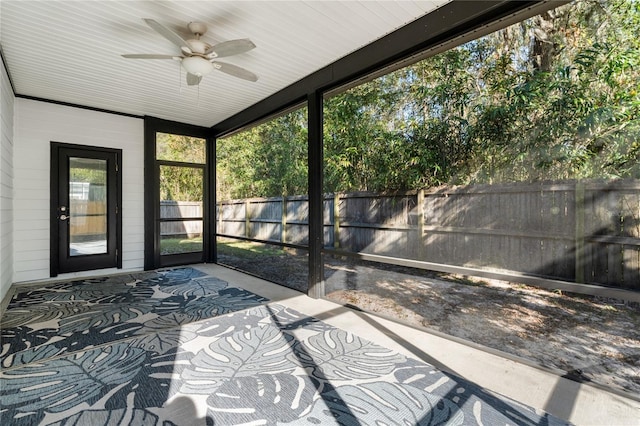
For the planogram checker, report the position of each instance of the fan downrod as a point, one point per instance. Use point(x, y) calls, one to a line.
point(197, 28)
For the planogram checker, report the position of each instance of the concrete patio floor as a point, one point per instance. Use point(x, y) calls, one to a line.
point(519, 379)
point(579, 403)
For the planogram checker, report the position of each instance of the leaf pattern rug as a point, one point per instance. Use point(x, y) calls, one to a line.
point(178, 347)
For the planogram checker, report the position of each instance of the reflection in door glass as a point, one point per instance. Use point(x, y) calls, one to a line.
point(87, 206)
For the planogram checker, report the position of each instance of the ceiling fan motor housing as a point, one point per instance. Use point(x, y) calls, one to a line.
point(197, 46)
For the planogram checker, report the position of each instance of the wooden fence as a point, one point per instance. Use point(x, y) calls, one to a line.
point(586, 231)
point(88, 220)
point(181, 210)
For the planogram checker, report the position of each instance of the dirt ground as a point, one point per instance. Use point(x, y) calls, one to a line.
point(590, 338)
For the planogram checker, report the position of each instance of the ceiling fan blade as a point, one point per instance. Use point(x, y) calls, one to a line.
point(193, 80)
point(231, 47)
point(235, 71)
point(166, 32)
point(147, 56)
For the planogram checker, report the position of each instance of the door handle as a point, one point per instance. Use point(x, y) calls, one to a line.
point(64, 217)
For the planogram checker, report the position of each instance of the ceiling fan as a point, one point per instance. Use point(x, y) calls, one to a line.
point(198, 58)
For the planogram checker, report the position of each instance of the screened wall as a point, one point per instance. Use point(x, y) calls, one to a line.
point(511, 159)
point(489, 190)
point(262, 211)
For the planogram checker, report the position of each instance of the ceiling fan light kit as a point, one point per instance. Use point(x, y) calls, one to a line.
point(197, 66)
point(198, 56)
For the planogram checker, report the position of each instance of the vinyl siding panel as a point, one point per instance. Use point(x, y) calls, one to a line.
point(57, 123)
point(7, 101)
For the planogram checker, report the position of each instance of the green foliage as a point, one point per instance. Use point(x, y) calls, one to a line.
point(185, 149)
point(181, 183)
point(89, 171)
point(266, 160)
point(554, 97)
point(180, 245)
point(247, 249)
point(92, 176)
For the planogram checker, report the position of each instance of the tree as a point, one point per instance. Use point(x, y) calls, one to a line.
point(554, 97)
point(181, 183)
point(265, 161)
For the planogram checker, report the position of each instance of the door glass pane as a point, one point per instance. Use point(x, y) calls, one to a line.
point(87, 206)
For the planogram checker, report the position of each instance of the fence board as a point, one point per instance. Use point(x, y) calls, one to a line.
point(181, 210)
point(88, 219)
point(537, 228)
point(631, 270)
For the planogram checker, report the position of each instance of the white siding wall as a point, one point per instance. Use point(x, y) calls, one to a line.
point(37, 124)
point(6, 182)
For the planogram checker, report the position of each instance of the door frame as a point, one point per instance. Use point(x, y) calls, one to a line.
point(152, 256)
point(54, 257)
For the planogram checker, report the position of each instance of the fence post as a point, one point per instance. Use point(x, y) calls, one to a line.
point(579, 236)
point(283, 224)
point(247, 220)
point(420, 211)
point(336, 220)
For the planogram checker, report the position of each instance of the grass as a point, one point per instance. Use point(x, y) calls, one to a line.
point(241, 249)
point(180, 245)
point(247, 249)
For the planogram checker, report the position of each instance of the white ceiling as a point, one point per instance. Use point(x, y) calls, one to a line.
point(69, 51)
